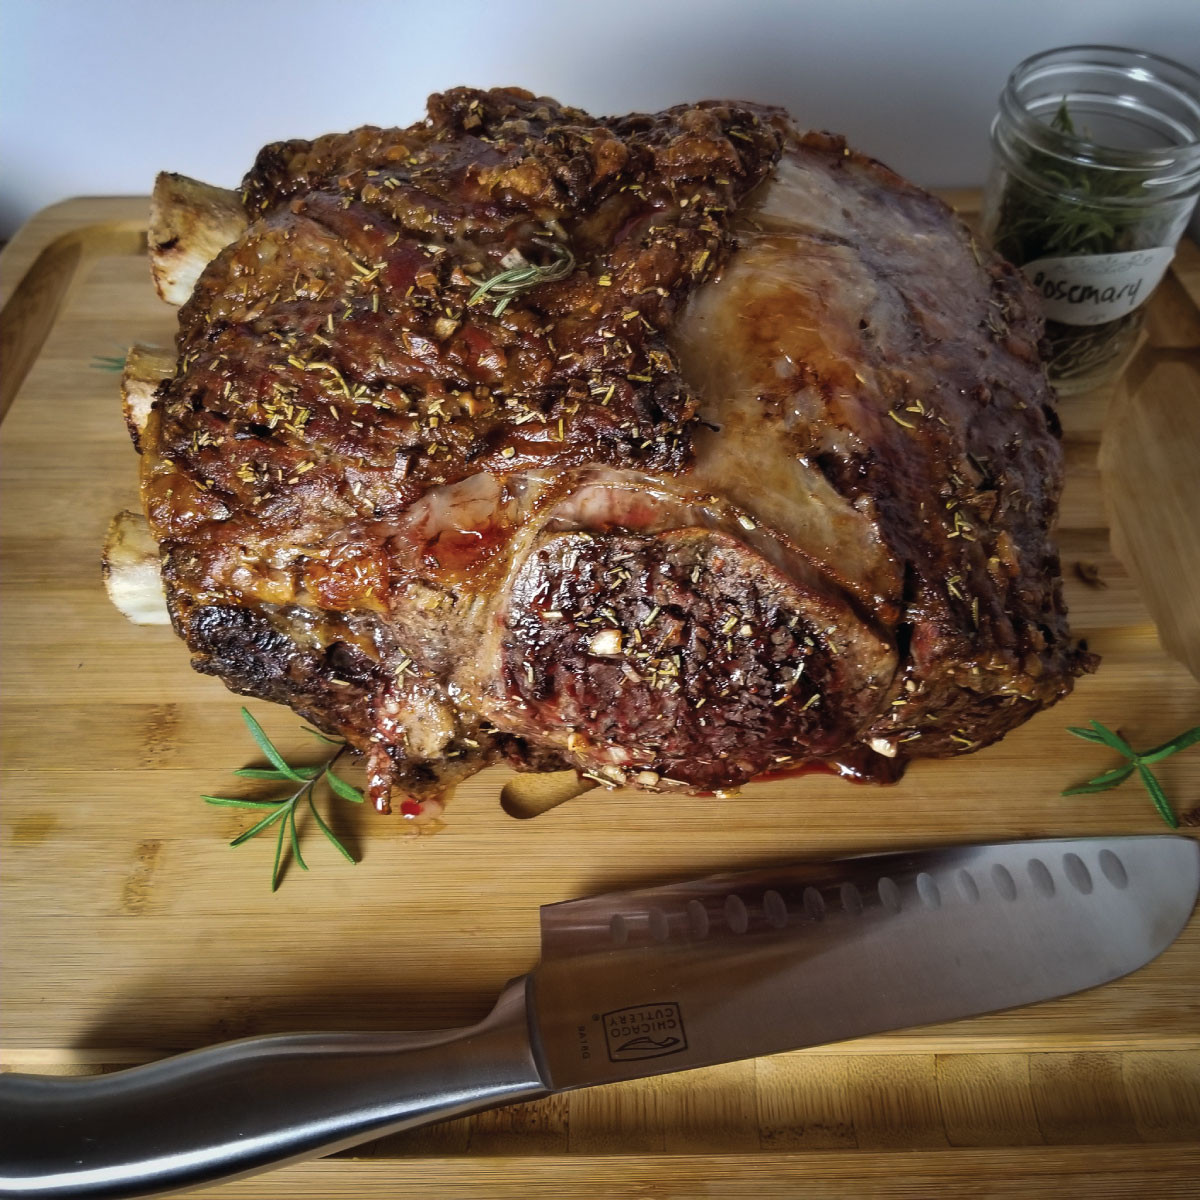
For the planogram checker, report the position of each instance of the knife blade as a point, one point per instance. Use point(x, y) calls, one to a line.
point(632, 984)
point(741, 966)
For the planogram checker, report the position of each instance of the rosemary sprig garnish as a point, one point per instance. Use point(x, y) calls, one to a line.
point(108, 362)
point(1140, 763)
point(283, 808)
point(524, 275)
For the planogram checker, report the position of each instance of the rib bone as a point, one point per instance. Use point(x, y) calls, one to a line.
point(132, 576)
point(145, 368)
point(190, 224)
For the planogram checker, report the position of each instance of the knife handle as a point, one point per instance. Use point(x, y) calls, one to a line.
point(237, 1108)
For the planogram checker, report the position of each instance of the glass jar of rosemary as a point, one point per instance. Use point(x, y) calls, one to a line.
point(1095, 173)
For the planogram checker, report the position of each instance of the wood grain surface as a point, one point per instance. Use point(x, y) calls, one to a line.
point(130, 929)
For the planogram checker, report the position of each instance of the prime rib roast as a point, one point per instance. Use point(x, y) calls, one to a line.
point(676, 449)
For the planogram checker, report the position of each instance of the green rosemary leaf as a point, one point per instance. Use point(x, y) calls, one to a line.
point(342, 788)
point(1088, 735)
point(291, 820)
point(1115, 776)
point(233, 802)
point(1114, 740)
point(267, 821)
point(525, 275)
point(278, 855)
point(329, 832)
point(1062, 119)
point(1092, 788)
point(1188, 738)
point(265, 745)
point(1158, 796)
point(324, 737)
point(275, 773)
point(1110, 779)
point(108, 362)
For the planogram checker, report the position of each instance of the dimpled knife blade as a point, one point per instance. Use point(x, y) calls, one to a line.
point(738, 966)
point(630, 984)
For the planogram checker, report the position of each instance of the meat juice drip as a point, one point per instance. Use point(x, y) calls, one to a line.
point(842, 770)
point(424, 814)
point(379, 788)
point(795, 772)
point(379, 779)
point(876, 770)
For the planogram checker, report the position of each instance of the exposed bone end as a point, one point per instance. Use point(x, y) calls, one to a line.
point(145, 368)
point(132, 576)
point(190, 224)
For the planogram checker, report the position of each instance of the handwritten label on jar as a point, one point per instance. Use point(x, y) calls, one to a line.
point(1095, 288)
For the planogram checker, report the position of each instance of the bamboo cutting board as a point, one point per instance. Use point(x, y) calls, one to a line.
point(131, 930)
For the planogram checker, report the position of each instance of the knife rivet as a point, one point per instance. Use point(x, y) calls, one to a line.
point(852, 901)
point(814, 903)
point(619, 929)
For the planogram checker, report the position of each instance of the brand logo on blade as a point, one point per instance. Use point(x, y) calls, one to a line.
point(644, 1031)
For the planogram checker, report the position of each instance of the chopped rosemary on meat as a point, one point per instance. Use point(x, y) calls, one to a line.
point(525, 275)
point(283, 808)
point(1136, 762)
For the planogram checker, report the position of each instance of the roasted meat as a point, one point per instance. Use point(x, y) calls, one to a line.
point(674, 448)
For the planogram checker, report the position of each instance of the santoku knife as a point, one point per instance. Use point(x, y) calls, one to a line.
point(632, 984)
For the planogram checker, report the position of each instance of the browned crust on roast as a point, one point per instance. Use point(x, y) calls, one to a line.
point(683, 655)
point(966, 485)
point(333, 370)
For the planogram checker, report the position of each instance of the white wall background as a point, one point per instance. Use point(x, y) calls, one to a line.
point(96, 96)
